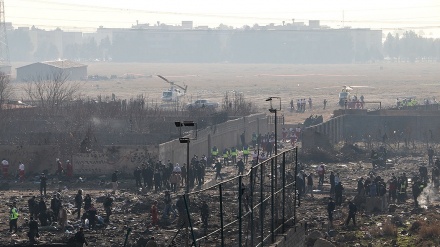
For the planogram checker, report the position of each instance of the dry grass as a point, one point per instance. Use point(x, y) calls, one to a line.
point(259, 81)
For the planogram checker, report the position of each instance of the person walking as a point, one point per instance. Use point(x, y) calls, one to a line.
point(108, 203)
point(352, 209)
point(240, 166)
point(218, 170)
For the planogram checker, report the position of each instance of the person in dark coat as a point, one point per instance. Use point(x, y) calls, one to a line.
point(137, 176)
point(78, 203)
point(55, 205)
point(352, 209)
point(33, 230)
point(79, 238)
point(330, 209)
point(338, 194)
point(43, 180)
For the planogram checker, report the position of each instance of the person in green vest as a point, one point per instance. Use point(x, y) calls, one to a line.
point(214, 152)
point(225, 156)
point(234, 155)
point(246, 153)
point(13, 217)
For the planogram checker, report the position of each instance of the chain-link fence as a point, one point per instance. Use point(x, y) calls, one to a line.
point(246, 210)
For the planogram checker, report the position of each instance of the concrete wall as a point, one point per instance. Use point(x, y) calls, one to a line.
point(397, 125)
point(225, 135)
point(296, 236)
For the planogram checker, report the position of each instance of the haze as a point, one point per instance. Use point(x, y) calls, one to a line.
point(80, 15)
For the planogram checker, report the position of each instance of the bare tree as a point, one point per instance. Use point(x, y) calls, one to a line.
point(5, 88)
point(52, 91)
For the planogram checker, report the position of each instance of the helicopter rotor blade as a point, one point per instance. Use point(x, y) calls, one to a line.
point(165, 79)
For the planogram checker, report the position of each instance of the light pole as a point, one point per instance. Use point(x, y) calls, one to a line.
point(186, 140)
point(274, 110)
point(274, 168)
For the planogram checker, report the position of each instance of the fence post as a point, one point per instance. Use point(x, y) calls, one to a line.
point(284, 188)
point(221, 214)
point(294, 185)
point(261, 205)
point(251, 191)
point(272, 208)
point(186, 198)
point(240, 227)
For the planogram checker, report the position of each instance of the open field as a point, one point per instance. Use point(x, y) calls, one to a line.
point(386, 81)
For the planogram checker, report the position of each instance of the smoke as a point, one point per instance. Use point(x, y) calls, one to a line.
point(427, 196)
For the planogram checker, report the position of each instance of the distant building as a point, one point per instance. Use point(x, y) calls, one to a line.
point(46, 70)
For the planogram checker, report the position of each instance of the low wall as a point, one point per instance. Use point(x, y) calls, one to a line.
point(225, 135)
point(295, 237)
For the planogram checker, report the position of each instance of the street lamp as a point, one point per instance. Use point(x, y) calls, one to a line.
point(274, 169)
point(274, 110)
point(186, 140)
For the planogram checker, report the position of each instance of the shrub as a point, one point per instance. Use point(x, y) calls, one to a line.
point(431, 231)
point(389, 229)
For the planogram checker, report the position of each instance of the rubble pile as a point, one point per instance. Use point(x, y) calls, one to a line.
point(397, 224)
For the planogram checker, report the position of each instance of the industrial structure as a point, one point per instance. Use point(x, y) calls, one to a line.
point(46, 70)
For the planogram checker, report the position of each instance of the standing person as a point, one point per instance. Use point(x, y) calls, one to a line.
point(338, 193)
point(55, 205)
point(43, 180)
point(332, 183)
point(33, 230)
point(325, 103)
point(330, 208)
point(174, 181)
point(416, 191)
point(69, 168)
point(33, 207)
point(87, 202)
point(115, 181)
point(246, 153)
point(310, 103)
point(79, 238)
point(254, 139)
point(13, 218)
point(5, 168)
point(62, 218)
point(310, 184)
point(21, 171)
point(144, 175)
point(154, 214)
point(360, 186)
point(234, 155)
point(137, 176)
point(352, 209)
point(430, 156)
point(240, 165)
point(157, 181)
point(108, 203)
point(78, 203)
point(59, 167)
point(204, 213)
point(92, 216)
point(321, 173)
point(292, 106)
point(218, 170)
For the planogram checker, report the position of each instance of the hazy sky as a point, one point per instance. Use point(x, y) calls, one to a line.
point(87, 15)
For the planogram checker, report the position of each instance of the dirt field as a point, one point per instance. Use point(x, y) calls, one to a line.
point(385, 81)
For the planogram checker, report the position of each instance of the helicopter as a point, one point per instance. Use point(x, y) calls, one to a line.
point(174, 92)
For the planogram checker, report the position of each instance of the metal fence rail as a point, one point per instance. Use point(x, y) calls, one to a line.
point(246, 210)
